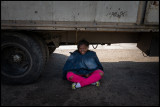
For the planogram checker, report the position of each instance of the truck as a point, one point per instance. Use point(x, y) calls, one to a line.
point(32, 30)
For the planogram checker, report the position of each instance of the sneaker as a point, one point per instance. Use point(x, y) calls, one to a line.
point(74, 86)
point(96, 83)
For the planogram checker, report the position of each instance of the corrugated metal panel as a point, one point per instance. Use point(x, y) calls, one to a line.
point(152, 13)
point(99, 11)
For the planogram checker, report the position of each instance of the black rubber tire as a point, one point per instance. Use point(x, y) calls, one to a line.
point(31, 48)
point(43, 46)
point(46, 50)
point(38, 37)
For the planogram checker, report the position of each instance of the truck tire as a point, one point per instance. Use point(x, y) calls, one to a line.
point(22, 58)
point(46, 50)
point(43, 45)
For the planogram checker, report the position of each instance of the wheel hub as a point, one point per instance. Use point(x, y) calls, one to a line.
point(16, 58)
point(15, 61)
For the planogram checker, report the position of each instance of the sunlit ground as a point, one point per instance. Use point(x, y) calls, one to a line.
point(113, 53)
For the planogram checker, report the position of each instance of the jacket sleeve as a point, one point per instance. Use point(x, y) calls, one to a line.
point(98, 62)
point(68, 66)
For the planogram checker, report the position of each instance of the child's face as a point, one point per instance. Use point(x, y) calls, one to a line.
point(83, 49)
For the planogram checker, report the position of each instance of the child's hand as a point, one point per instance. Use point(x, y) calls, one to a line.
point(87, 75)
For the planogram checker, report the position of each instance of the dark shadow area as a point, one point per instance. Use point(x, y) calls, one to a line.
point(124, 83)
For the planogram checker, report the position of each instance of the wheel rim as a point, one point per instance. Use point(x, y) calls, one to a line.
point(15, 60)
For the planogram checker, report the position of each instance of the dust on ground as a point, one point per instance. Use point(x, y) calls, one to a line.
point(129, 79)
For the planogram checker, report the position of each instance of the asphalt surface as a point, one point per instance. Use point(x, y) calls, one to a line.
point(130, 79)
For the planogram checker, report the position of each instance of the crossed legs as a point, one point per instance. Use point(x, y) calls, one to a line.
point(94, 77)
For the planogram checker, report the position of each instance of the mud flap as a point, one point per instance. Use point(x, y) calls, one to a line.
point(149, 43)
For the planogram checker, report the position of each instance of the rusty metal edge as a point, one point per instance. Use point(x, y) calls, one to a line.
point(81, 29)
point(84, 26)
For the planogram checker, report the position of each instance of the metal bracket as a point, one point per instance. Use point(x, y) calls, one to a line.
point(76, 36)
point(95, 47)
point(55, 40)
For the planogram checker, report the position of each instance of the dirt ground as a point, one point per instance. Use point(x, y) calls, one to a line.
point(130, 79)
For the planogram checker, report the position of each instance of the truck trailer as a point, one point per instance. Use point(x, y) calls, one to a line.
point(32, 30)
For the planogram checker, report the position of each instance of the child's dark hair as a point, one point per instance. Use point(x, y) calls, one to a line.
point(82, 42)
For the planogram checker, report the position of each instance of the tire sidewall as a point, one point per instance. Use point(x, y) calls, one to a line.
point(35, 52)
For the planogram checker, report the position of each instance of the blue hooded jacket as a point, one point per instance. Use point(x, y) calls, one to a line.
point(82, 64)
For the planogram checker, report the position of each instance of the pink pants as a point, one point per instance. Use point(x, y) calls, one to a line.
point(94, 77)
